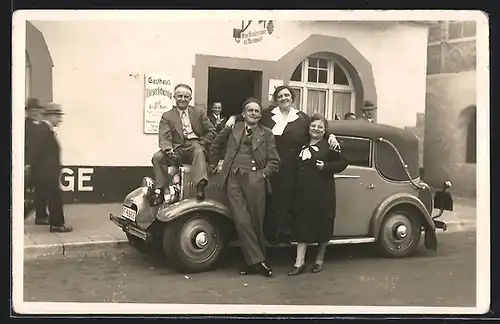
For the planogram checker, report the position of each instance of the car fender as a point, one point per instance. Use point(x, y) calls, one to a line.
point(187, 206)
point(405, 199)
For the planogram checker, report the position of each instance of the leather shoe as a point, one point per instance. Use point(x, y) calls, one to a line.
point(317, 268)
point(61, 229)
point(297, 270)
point(157, 198)
point(43, 221)
point(265, 270)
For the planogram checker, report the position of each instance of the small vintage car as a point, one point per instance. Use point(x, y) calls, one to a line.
point(381, 199)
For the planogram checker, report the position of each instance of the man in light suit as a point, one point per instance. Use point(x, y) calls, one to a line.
point(251, 158)
point(184, 135)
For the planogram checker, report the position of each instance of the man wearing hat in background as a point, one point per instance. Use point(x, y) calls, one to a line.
point(31, 125)
point(45, 170)
point(368, 111)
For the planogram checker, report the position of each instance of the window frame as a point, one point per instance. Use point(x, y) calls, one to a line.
point(330, 87)
point(370, 150)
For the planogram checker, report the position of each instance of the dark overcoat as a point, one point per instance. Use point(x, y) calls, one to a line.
point(314, 200)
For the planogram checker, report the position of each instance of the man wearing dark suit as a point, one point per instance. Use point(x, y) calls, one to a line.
point(31, 126)
point(184, 135)
point(46, 169)
point(216, 117)
point(251, 158)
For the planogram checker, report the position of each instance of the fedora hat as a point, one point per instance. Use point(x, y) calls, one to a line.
point(52, 109)
point(368, 105)
point(33, 103)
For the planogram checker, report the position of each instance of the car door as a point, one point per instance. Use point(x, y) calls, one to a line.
point(357, 188)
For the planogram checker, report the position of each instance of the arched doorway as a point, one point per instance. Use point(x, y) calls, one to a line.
point(468, 127)
point(323, 85)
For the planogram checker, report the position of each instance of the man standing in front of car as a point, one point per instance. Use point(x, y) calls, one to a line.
point(251, 158)
point(184, 135)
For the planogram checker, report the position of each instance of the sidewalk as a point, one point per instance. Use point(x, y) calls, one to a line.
point(95, 235)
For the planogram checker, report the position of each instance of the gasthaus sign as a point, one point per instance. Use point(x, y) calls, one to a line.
point(158, 89)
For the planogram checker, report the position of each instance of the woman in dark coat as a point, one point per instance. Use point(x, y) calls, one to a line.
point(290, 127)
point(314, 195)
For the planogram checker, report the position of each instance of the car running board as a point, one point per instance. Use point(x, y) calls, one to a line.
point(347, 241)
point(338, 241)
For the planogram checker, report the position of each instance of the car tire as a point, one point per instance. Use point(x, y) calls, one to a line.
point(195, 242)
point(137, 243)
point(399, 233)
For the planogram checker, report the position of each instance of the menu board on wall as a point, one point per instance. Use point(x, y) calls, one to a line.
point(158, 98)
point(273, 84)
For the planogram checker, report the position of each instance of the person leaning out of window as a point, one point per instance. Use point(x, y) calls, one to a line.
point(313, 211)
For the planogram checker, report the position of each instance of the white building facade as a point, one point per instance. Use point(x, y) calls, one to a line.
point(97, 71)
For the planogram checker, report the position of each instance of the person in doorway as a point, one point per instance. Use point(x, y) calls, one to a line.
point(251, 158)
point(184, 135)
point(368, 111)
point(46, 169)
point(216, 117)
point(314, 196)
point(290, 128)
point(350, 116)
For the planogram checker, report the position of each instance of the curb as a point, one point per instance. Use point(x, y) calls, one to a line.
point(78, 250)
point(122, 247)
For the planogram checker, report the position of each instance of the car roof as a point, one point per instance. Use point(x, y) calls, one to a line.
point(361, 128)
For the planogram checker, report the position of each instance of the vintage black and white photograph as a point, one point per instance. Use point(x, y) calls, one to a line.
point(225, 162)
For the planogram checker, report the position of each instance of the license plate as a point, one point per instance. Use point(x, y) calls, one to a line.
point(129, 213)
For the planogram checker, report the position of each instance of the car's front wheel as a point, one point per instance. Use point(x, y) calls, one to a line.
point(194, 242)
point(399, 233)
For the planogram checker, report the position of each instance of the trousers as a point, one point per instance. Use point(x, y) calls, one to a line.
point(192, 152)
point(48, 193)
point(247, 202)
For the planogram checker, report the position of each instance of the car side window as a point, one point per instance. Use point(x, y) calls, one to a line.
point(356, 150)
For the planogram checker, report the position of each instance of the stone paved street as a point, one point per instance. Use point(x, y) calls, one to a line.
point(352, 276)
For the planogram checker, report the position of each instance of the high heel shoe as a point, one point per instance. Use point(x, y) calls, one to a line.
point(317, 267)
point(297, 270)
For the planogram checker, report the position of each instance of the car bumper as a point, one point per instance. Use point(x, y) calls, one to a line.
point(129, 228)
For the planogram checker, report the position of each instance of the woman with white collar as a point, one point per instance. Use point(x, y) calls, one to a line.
point(291, 131)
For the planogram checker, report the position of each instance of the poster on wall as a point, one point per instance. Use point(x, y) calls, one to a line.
point(273, 84)
point(158, 98)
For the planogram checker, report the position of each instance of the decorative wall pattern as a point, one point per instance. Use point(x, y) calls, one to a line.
point(452, 47)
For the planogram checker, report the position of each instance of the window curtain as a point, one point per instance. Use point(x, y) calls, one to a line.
point(316, 102)
point(341, 104)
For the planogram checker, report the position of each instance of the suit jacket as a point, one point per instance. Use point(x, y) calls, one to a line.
point(265, 153)
point(30, 138)
point(170, 134)
point(220, 126)
point(47, 154)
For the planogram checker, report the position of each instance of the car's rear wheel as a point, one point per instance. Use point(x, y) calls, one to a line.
point(195, 242)
point(400, 233)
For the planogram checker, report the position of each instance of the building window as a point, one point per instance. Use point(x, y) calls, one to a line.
point(27, 81)
point(322, 85)
point(470, 150)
